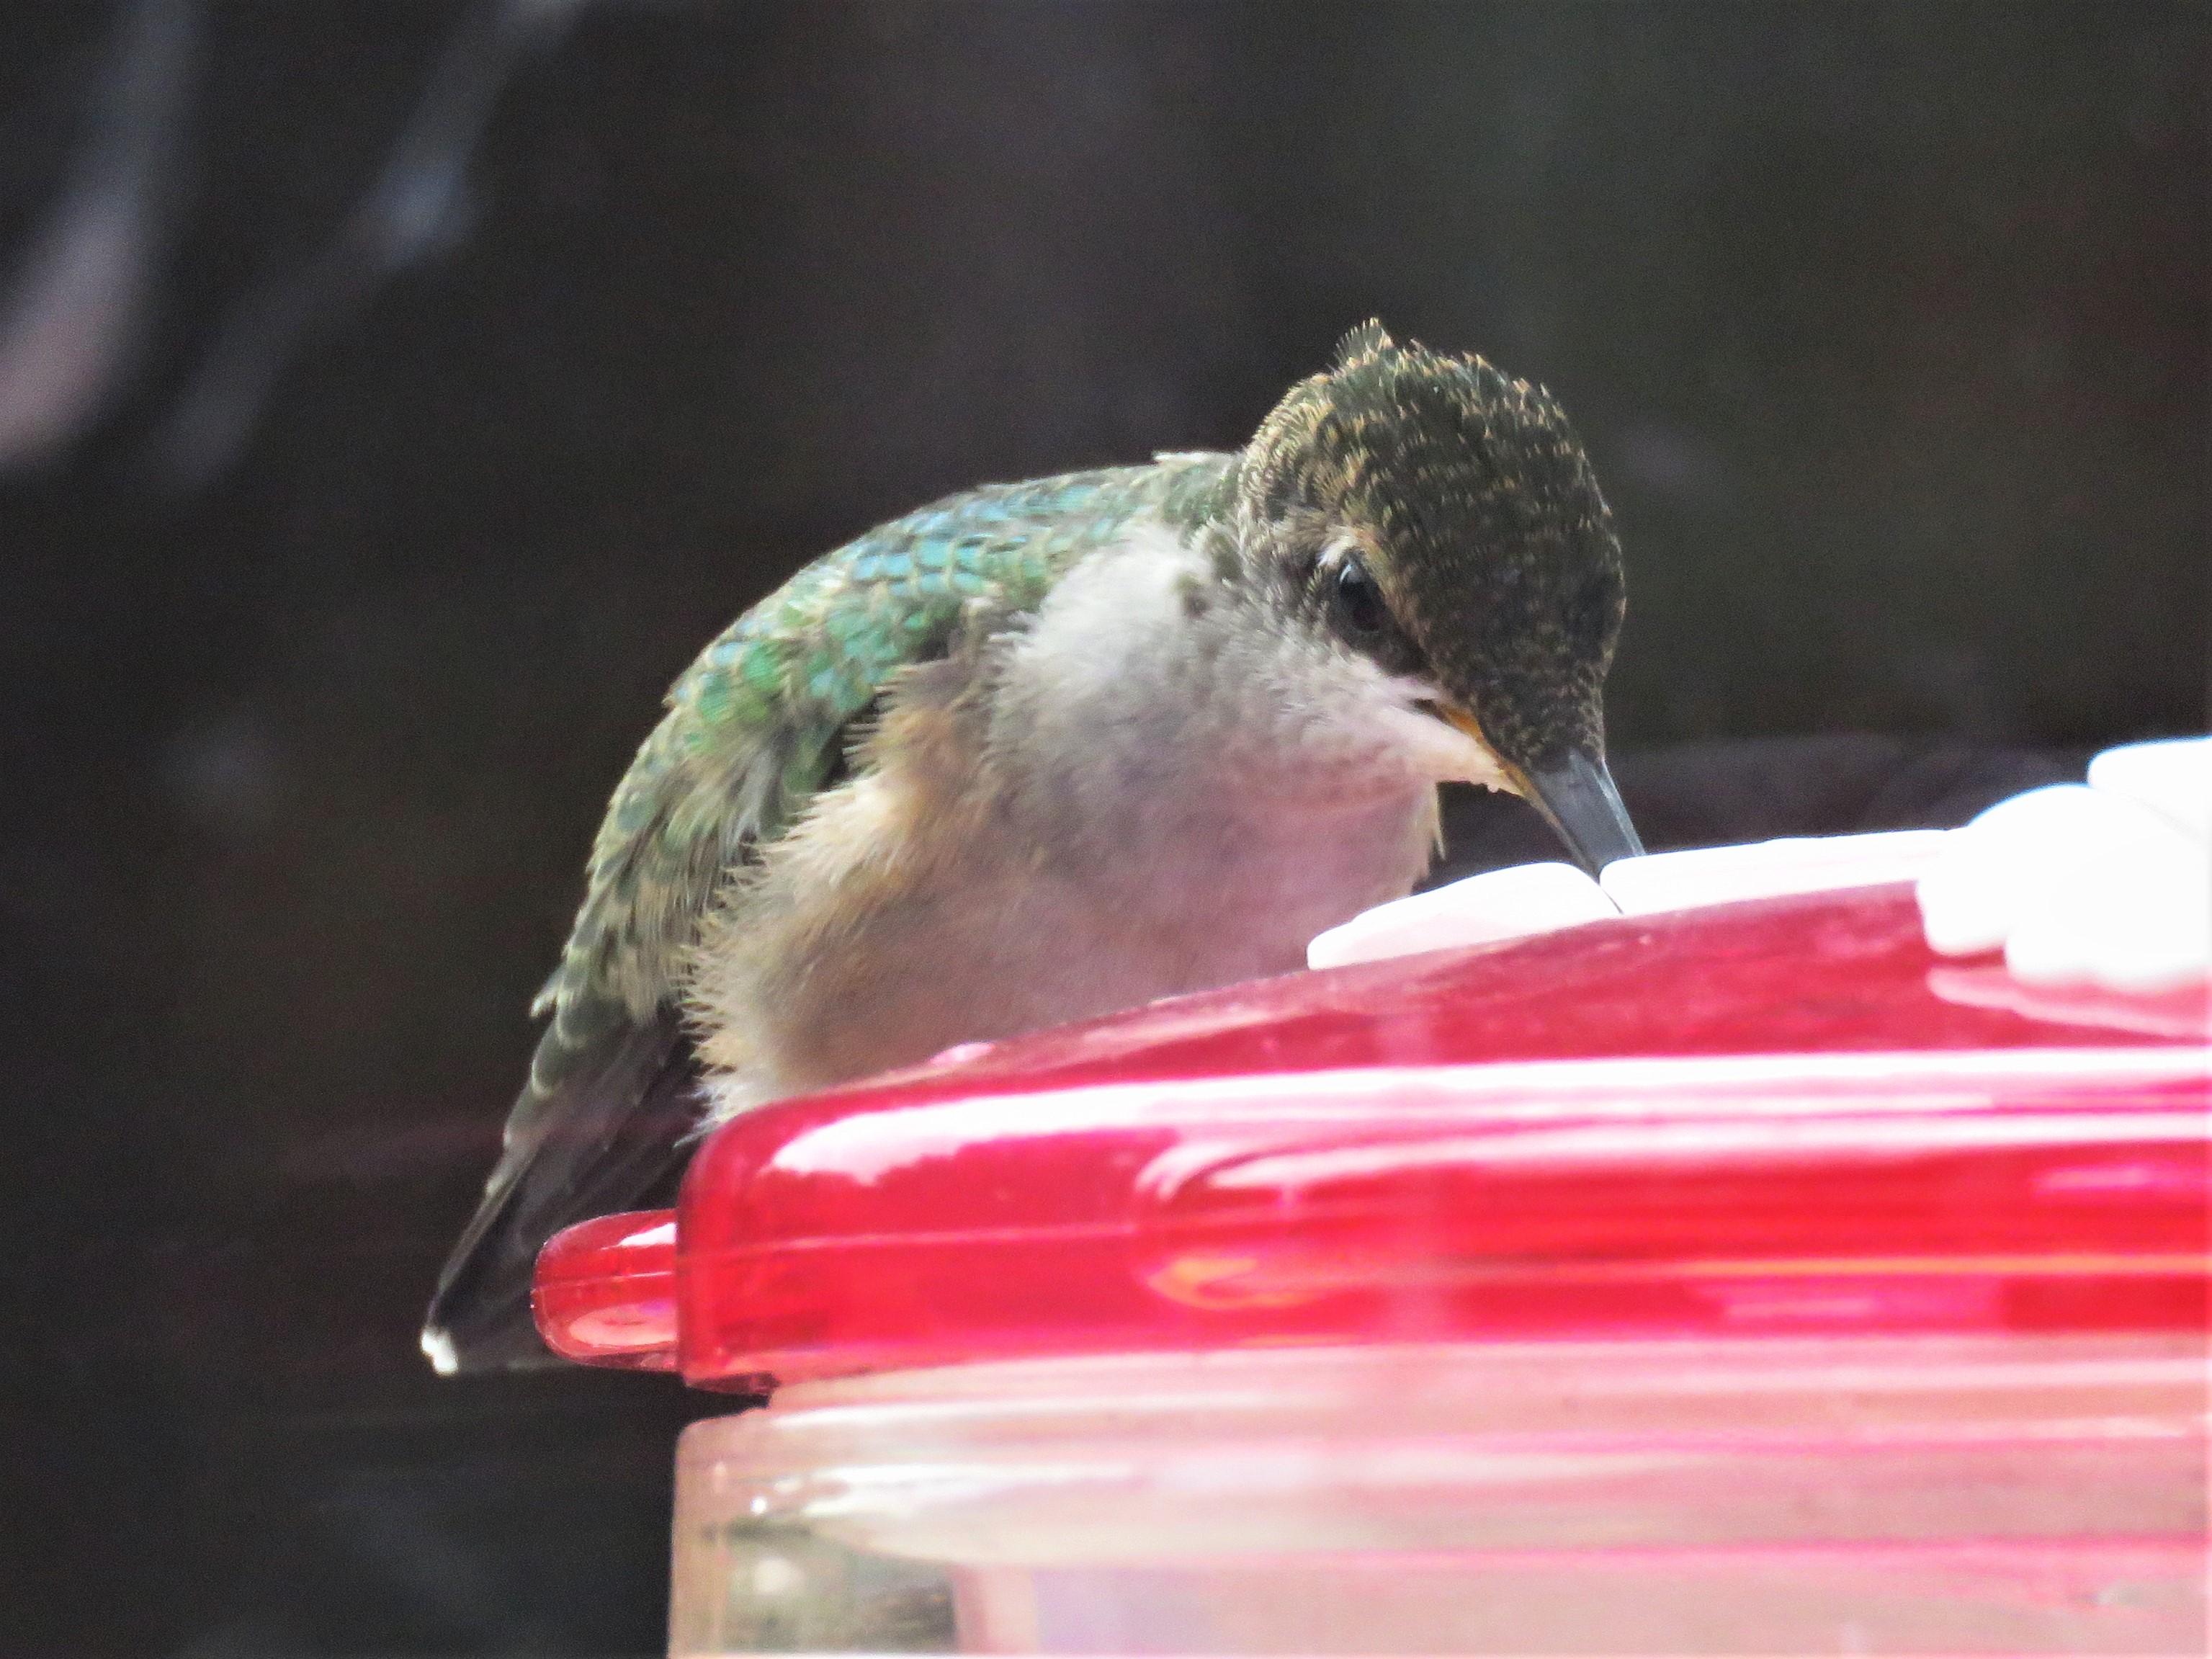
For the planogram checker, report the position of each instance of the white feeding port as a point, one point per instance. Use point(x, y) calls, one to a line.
point(1541, 898)
point(1499, 904)
point(1768, 869)
point(2107, 885)
point(2173, 779)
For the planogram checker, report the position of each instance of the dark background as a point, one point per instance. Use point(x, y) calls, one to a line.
point(330, 618)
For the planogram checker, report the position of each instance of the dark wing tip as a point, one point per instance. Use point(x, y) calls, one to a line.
point(612, 1133)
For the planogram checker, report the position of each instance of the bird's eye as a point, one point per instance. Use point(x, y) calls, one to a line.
point(1357, 600)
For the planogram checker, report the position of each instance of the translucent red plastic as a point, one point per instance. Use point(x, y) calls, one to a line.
point(1782, 1117)
point(606, 1292)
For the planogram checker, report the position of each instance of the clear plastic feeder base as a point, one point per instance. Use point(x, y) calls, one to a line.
point(1880, 1494)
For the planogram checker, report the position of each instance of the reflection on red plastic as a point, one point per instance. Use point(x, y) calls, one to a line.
point(1780, 1117)
point(605, 1292)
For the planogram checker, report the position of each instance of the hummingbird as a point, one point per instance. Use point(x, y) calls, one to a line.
point(1042, 751)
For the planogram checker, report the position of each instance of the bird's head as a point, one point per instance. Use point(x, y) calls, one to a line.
point(1440, 519)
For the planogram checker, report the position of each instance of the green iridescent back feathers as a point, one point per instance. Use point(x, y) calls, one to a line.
point(759, 722)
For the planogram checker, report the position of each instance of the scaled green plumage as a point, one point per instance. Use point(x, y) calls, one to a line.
point(757, 727)
point(758, 720)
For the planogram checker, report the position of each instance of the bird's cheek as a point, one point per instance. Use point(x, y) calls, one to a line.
point(1447, 746)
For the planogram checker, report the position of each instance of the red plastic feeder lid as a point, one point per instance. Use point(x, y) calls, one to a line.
point(1783, 1117)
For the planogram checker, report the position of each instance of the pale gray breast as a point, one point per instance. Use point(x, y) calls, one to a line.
point(1164, 794)
point(1197, 758)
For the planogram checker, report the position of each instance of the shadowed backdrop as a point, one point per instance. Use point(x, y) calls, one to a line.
point(393, 398)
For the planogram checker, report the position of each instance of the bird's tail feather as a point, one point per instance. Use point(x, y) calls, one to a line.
point(612, 1131)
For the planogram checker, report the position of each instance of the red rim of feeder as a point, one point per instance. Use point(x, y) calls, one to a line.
point(1777, 1118)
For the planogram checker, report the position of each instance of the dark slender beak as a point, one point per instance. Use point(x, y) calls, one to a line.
point(1575, 794)
point(1577, 797)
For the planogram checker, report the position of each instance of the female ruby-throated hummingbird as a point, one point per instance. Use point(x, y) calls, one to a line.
point(1042, 751)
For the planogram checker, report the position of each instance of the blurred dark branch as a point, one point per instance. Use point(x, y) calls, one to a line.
point(416, 206)
point(76, 310)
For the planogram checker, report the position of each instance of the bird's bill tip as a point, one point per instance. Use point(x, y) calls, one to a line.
point(1576, 795)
